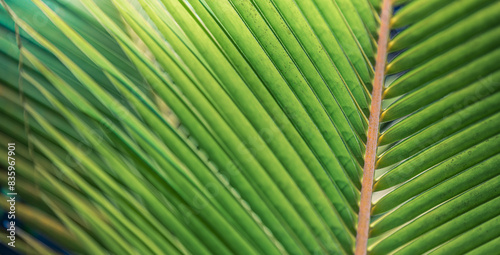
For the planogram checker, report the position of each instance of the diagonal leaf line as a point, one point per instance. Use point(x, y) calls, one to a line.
point(373, 130)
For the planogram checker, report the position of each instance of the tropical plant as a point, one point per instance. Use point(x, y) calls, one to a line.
point(251, 126)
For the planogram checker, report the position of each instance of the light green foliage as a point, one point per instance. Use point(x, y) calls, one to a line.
point(444, 155)
point(239, 126)
point(264, 150)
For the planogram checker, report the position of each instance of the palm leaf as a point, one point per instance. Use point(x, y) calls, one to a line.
point(443, 159)
point(251, 127)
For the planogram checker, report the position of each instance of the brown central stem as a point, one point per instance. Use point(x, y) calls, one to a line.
point(373, 130)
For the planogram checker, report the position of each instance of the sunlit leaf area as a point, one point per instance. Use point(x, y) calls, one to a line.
point(250, 127)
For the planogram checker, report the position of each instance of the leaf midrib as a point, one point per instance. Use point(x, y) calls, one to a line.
point(373, 132)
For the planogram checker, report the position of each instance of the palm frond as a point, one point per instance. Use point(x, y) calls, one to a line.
point(443, 155)
point(264, 152)
point(242, 127)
